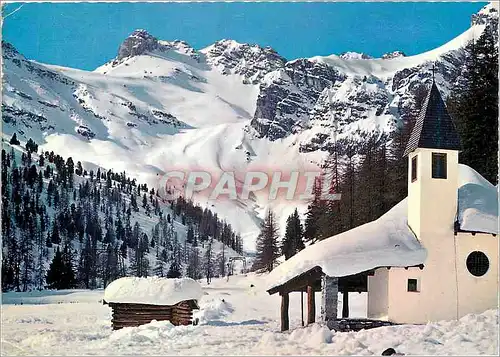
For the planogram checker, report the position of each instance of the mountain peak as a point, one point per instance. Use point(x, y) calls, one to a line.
point(8, 50)
point(394, 54)
point(249, 60)
point(139, 42)
point(354, 55)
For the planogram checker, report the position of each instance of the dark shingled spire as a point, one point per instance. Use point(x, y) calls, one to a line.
point(434, 128)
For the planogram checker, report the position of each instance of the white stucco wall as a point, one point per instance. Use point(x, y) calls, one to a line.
point(432, 208)
point(406, 306)
point(434, 302)
point(432, 203)
point(477, 294)
point(378, 290)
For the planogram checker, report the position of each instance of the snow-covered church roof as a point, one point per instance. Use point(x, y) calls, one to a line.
point(388, 241)
point(152, 291)
point(477, 202)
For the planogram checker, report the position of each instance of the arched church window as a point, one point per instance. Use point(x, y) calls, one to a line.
point(477, 263)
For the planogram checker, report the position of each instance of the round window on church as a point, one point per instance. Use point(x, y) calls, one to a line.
point(477, 263)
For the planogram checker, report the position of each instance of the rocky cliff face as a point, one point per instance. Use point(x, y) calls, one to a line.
point(141, 42)
point(138, 43)
point(322, 99)
point(251, 61)
point(487, 15)
point(288, 95)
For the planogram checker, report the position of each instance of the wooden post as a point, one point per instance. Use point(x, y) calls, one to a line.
point(285, 324)
point(302, 307)
point(345, 303)
point(311, 308)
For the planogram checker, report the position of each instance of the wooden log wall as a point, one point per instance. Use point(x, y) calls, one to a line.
point(182, 314)
point(130, 315)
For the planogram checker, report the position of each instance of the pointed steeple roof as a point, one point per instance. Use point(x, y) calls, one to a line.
point(434, 128)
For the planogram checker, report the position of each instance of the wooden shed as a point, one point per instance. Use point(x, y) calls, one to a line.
point(138, 301)
point(127, 315)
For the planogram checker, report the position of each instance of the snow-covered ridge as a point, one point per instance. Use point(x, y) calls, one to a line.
point(298, 102)
point(354, 55)
point(486, 14)
point(393, 54)
point(386, 67)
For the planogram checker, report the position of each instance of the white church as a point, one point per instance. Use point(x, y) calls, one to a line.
point(434, 256)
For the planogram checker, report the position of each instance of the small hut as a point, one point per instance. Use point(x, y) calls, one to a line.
point(138, 301)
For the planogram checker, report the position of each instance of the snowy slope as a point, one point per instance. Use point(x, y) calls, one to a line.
point(162, 104)
point(177, 231)
point(180, 114)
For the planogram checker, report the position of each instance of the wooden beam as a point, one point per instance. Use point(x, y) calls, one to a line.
point(345, 304)
point(302, 307)
point(298, 283)
point(311, 306)
point(285, 302)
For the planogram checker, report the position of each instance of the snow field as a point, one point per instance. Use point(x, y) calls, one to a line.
point(245, 323)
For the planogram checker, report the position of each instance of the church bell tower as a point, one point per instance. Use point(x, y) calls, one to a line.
point(432, 152)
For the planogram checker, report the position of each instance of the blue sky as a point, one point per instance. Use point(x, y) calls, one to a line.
point(84, 35)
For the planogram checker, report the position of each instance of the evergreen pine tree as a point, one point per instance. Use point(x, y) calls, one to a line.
point(267, 243)
point(174, 271)
point(292, 242)
point(68, 274)
point(474, 106)
point(56, 272)
point(208, 262)
point(190, 234)
point(14, 140)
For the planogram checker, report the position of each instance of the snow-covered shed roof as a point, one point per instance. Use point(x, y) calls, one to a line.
point(388, 241)
point(152, 291)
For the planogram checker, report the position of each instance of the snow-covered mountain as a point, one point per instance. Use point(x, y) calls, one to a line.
point(161, 105)
point(368, 94)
